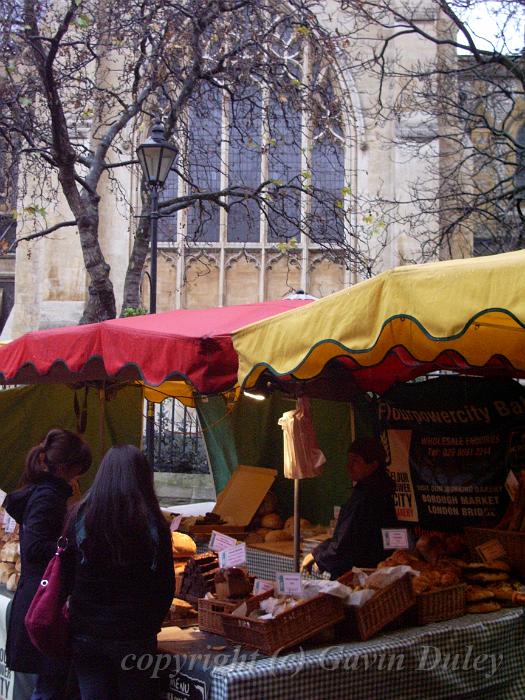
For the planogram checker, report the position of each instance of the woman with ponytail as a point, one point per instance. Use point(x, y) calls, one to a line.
point(39, 507)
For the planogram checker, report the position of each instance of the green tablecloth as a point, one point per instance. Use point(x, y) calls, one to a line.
point(476, 656)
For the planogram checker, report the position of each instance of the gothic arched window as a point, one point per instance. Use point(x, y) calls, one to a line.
point(267, 132)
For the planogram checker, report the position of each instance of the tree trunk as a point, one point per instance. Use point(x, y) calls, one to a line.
point(100, 305)
point(137, 259)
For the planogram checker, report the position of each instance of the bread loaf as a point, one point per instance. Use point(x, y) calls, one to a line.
point(272, 521)
point(303, 523)
point(278, 536)
point(12, 582)
point(182, 546)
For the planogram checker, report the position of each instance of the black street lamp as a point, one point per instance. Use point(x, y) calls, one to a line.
point(156, 156)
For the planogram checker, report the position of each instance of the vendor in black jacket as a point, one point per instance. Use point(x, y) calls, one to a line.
point(357, 539)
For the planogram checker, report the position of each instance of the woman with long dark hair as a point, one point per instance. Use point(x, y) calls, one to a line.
point(39, 507)
point(120, 570)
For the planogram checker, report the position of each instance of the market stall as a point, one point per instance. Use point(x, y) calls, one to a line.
point(329, 348)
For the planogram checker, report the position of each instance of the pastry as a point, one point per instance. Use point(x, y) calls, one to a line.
point(489, 606)
point(486, 576)
point(478, 594)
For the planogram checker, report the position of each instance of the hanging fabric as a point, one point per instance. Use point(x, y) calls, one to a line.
point(302, 456)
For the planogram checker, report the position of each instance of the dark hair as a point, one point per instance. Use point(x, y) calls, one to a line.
point(120, 508)
point(370, 449)
point(59, 448)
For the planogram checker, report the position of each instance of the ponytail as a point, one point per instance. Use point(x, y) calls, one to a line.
point(60, 448)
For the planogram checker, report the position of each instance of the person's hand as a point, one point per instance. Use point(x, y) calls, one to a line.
point(307, 564)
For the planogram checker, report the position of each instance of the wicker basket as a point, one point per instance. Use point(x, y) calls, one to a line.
point(288, 629)
point(443, 604)
point(387, 605)
point(512, 542)
point(210, 614)
point(211, 610)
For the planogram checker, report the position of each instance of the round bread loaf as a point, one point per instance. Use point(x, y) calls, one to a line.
point(303, 523)
point(272, 521)
point(182, 545)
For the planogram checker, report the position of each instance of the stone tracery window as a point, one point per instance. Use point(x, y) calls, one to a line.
point(257, 136)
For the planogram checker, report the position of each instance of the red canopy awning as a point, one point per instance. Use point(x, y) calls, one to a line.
point(193, 345)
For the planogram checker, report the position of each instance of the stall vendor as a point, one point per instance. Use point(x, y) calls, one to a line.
point(357, 538)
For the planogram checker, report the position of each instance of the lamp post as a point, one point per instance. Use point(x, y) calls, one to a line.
point(156, 156)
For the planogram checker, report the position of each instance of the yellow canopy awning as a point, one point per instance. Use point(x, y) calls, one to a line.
point(463, 315)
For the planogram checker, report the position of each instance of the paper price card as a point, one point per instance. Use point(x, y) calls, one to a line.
point(395, 538)
point(261, 585)
point(219, 541)
point(337, 510)
point(3, 495)
point(233, 556)
point(491, 550)
point(512, 485)
point(175, 523)
point(9, 524)
point(289, 584)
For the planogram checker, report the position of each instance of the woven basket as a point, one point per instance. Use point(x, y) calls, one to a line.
point(387, 605)
point(512, 542)
point(210, 614)
point(211, 610)
point(288, 629)
point(443, 604)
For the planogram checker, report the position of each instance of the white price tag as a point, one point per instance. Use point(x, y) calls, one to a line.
point(175, 523)
point(233, 556)
point(9, 524)
point(512, 485)
point(219, 541)
point(289, 584)
point(3, 495)
point(395, 538)
point(491, 550)
point(337, 510)
point(261, 585)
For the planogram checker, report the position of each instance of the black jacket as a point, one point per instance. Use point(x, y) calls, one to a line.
point(119, 602)
point(40, 510)
point(357, 539)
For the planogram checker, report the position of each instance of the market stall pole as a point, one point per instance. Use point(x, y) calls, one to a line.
point(156, 157)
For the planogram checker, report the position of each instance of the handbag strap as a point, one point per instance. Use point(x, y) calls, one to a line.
point(62, 545)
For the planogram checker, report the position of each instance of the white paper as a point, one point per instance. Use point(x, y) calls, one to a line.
point(261, 585)
point(175, 523)
point(395, 538)
point(233, 556)
point(289, 584)
point(219, 541)
point(512, 485)
point(3, 495)
point(9, 524)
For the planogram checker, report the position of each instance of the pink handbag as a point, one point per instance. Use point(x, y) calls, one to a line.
point(47, 620)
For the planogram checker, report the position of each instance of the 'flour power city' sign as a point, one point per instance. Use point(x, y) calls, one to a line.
point(452, 441)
